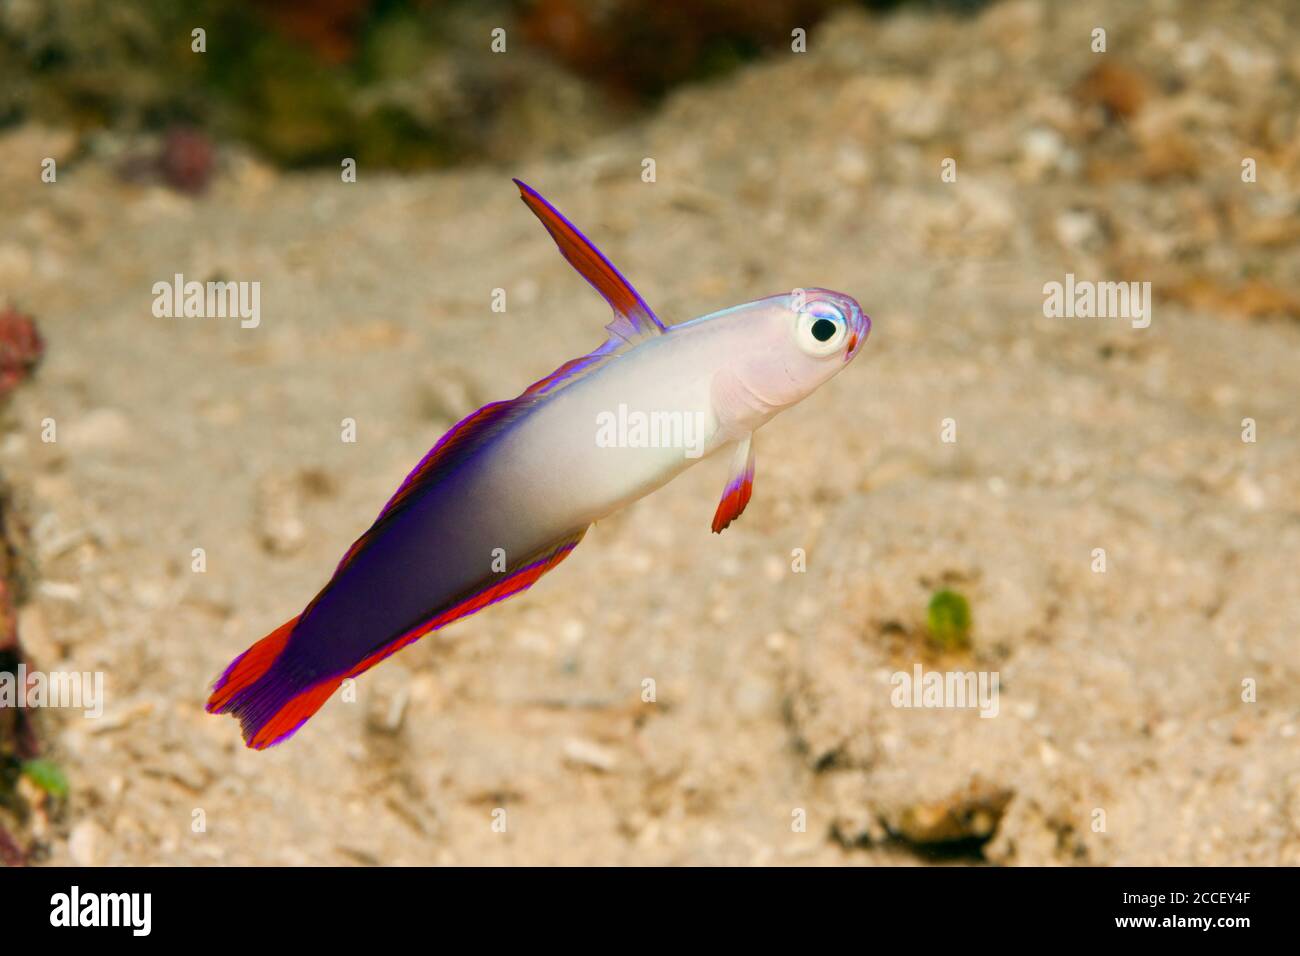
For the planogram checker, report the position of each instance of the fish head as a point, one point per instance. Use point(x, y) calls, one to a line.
point(789, 345)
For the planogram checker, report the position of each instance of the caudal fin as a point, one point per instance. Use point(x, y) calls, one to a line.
point(269, 707)
point(271, 704)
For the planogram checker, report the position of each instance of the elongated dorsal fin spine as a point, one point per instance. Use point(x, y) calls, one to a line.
point(633, 319)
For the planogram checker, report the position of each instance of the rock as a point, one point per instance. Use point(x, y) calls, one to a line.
point(1077, 229)
point(280, 525)
point(855, 822)
point(187, 160)
point(589, 754)
point(1042, 150)
point(386, 709)
point(970, 815)
point(1121, 90)
point(21, 346)
point(84, 843)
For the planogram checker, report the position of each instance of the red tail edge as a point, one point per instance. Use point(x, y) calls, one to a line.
point(245, 669)
point(268, 715)
point(291, 716)
point(233, 691)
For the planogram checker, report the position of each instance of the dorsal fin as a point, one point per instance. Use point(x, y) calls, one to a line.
point(633, 319)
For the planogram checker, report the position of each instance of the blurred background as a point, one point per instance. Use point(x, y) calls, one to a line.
point(941, 162)
point(398, 84)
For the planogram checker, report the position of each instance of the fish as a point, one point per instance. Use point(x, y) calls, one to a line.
point(508, 493)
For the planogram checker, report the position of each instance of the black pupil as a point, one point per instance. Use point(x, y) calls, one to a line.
point(823, 329)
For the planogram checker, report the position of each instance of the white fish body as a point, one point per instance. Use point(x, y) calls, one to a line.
point(704, 381)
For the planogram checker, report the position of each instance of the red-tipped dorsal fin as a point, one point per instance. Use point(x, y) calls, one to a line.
point(633, 319)
point(740, 485)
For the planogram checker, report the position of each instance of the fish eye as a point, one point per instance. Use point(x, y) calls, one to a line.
point(821, 329)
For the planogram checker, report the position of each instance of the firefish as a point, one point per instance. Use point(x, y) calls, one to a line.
point(508, 493)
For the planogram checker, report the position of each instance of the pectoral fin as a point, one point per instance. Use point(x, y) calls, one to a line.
point(740, 485)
